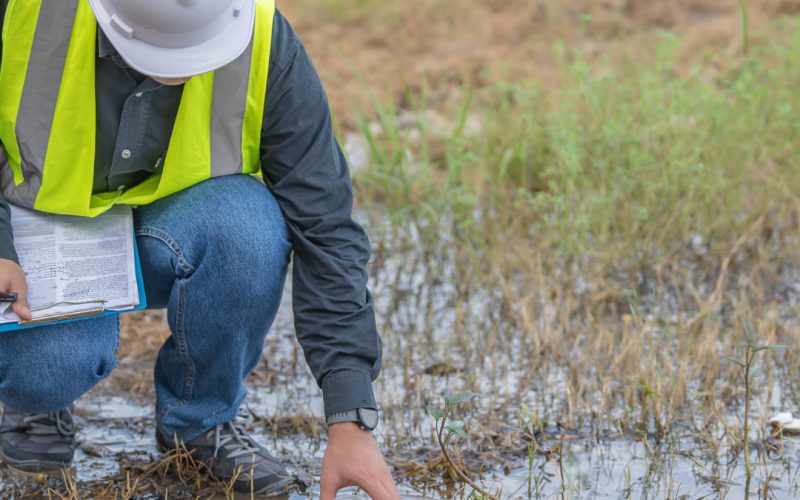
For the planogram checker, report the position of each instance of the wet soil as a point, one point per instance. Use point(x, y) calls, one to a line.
point(385, 50)
point(284, 410)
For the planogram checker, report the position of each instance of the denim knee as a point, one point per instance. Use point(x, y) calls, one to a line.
point(233, 222)
point(48, 370)
point(257, 247)
point(247, 240)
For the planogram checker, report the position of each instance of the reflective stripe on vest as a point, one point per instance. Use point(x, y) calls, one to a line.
point(48, 115)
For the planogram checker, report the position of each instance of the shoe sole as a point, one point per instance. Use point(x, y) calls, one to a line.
point(34, 466)
point(238, 495)
point(277, 490)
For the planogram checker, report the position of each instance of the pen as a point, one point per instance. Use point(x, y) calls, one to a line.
point(8, 296)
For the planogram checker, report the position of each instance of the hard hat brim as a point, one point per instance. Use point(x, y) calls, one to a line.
point(167, 62)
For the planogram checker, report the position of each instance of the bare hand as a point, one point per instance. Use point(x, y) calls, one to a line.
point(353, 459)
point(12, 279)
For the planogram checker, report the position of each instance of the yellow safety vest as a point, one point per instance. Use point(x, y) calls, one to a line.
point(48, 113)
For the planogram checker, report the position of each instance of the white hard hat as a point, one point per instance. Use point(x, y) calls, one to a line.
point(176, 38)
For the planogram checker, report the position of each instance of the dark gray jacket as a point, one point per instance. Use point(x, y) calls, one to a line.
point(304, 168)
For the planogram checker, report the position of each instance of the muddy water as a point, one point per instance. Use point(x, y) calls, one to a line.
point(629, 469)
point(115, 429)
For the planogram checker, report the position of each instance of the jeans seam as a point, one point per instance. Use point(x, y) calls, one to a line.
point(183, 350)
point(116, 347)
point(178, 334)
point(165, 238)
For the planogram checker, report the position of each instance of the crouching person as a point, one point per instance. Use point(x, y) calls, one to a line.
point(174, 107)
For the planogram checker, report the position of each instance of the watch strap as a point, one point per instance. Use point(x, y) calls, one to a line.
point(366, 418)
point(343, 416)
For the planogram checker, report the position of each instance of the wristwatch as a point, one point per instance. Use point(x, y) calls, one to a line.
point(366, 418)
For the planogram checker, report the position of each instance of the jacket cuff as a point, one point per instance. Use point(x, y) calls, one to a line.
point(347, 390)
point(7, 250)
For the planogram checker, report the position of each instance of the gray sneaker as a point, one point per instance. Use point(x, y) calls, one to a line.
point(37, 442)
point(226, 450)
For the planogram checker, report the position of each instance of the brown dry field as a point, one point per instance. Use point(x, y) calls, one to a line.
point(383, 49)
point(364, 47)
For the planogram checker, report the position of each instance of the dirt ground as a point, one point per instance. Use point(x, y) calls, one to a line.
point(386, 47)
point(364, 47)
point(386, 50)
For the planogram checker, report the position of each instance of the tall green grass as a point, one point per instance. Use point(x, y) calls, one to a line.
point(629, 159)
point(599, 240)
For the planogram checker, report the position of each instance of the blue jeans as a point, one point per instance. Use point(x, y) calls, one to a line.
point(215, 255)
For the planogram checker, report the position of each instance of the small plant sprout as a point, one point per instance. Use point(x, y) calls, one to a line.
point(749, 373)
point(531, 461)
point(745, 20)
point(445, 430)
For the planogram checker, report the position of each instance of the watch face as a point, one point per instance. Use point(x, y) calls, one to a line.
point(368, 418)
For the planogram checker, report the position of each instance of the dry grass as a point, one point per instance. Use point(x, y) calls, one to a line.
point(173, 475)
point(364, 47)
point(583, 264)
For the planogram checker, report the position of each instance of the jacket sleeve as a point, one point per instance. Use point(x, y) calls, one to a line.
point(6, 234)
point(7, 250)
point(306, 171)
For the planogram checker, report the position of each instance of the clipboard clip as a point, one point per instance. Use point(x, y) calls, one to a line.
point(52, 318)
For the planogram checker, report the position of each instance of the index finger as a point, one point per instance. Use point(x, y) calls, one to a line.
point(22, 310)
point(388, 484)
point(20, 305)
point(374, 487)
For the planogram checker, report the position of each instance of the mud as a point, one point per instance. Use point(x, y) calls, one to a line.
point(392, 50)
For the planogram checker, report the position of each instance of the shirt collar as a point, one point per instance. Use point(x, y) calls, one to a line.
point(106, 49)
point(104, 46)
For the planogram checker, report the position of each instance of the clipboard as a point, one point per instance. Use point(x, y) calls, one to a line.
point(84, 315)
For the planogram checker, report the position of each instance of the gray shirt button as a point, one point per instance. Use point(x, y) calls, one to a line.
point(126, 154)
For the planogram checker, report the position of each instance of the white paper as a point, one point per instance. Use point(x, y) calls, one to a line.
point(75, 264)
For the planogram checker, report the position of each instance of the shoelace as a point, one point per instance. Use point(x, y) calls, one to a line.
point(42, 424)
point(233, 438)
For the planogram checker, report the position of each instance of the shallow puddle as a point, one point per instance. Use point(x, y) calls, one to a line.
point(114, 430)
point(424, 361)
